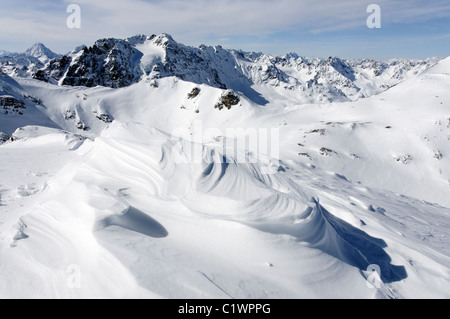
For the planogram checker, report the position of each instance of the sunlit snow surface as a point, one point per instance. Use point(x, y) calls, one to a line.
point(117, 210)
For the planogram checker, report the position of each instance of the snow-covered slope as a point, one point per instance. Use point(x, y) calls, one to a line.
point(140, 187)
point(18, 108)
point(398, 140)
point(384, 140)
point(127, 218)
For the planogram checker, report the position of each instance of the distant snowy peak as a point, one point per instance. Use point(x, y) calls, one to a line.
point(41, 52)
point(122, 62)
point(4, 52)
point(28, 63)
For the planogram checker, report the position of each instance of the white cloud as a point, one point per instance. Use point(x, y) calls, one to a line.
point(191, 21)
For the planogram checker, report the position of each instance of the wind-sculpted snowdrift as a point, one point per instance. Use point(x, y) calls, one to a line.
point(94, 204)
point(133, 179)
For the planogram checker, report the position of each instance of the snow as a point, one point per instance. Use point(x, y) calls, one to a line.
point(152, 54)
point(41, 52)
point(4, 52)
point(120, 63)
point(27, 63)
point(137, 224)
point(441, 68)
point(101, 197)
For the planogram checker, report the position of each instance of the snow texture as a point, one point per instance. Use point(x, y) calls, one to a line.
point(117, 178)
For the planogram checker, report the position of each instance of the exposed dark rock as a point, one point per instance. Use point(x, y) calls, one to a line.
point(194, 93)
point(228, 99)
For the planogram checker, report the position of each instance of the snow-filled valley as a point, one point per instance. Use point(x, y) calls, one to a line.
point(123, 175)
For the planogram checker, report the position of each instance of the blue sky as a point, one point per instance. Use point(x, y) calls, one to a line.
point(409, 29)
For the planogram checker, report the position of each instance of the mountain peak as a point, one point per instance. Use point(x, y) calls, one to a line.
point(35, 49)
point(163, 39)
point(41, 52)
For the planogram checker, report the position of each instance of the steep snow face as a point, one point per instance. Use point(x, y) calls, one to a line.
point(119, 63)
point(153, 54)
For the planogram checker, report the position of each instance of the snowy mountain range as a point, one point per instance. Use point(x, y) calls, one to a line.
point(27, 63)
point(4, 52)
point(119, 63)
point(122, 174)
